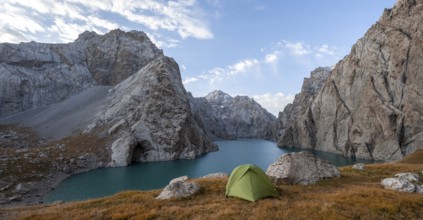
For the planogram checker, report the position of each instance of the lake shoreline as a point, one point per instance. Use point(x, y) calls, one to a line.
point(136, 177)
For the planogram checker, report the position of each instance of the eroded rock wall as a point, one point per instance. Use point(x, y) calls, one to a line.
point(150, 119)
point(226, 117)
point(371, 105)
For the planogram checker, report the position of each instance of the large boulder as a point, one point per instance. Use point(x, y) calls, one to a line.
point(300, 168)
point(178, 188)
point(370, 106)
point(403, 182)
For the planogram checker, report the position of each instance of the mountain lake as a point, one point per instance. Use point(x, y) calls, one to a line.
point(154, 175)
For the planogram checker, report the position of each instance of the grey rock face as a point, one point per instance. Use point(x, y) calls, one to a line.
point(226, 117)
point(113, 57)
point(300, 168)
point(403, 182)
point(178, 188)
point(297, 112)
point(370, 106)
point(36, 74)
point(149, 117)
point(412, 177)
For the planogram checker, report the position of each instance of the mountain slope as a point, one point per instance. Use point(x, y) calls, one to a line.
point(103, 100)
point(149, 117)
point(37, 74)
point(227, 117)
point(371, 105)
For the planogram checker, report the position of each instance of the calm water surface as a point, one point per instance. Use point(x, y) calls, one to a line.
point(145, 176)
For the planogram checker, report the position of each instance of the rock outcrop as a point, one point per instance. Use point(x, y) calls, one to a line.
point(37, 74)
point(295, 112)
point(301, 168)
point(179, 188)
point(371, 105)
point(149, 117)
point(118, 88)
point(225, 117)
point(403, 182)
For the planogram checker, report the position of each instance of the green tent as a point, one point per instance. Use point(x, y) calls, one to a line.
point(249, 182)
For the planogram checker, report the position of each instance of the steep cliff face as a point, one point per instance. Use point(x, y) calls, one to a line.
point(302, 102)
point(113, 57)
point(149, 117)
point(118, 81)
point(371, 105)
point(35, 74)
point(226, 117)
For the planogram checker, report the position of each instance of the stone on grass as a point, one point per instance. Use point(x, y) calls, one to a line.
point(216, 175)
point(398, 184)
point(358, 166)
point(412, 177)
point(301, 168)
point(178, 188)
point(403, 182)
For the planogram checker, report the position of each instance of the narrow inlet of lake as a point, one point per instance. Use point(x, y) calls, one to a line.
point(146, 176)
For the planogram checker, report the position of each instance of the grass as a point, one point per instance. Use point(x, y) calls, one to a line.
point(355, 195)
point(39, 159)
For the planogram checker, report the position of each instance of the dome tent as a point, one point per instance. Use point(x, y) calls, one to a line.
point(250, 183)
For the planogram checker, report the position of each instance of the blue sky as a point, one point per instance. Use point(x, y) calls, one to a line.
point(259, 48)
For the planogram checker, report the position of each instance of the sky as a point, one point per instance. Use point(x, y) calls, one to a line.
point(259, 48)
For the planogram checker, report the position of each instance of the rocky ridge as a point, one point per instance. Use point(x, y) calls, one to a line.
point(151, 122)
point(226, 117)
point(129, 102)
point(301, 104)
point(370, 106)
point(38, 74)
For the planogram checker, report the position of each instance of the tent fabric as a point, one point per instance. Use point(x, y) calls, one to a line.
point(250, 183)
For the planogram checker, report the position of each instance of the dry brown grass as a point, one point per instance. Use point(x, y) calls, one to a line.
point(415, 158)
point(355, 195)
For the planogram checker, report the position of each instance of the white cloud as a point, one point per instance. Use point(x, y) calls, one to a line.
point(274, 103)
point(243, 66)
point(297, 48)
point(268, 73)
point(22, 21)
point(271, 58)
point(189, 80)
point(161, 41)
point(326, 50)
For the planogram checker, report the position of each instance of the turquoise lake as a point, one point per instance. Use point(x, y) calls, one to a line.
point(145, 176)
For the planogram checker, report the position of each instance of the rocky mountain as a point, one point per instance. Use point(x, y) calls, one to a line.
point(226, 117)
point(371, 105)
point(103, 100)
point(303, 100)
point(37, 74)
point(150, 117)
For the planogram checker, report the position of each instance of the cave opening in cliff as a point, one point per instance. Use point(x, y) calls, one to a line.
point(140, 150)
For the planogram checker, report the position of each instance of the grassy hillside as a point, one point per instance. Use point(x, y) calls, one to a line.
point(355, 195)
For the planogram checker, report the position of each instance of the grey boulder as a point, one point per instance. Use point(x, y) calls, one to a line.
point(178, 188)
point(358, 166)
point(403, 182)
point(301, 168)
